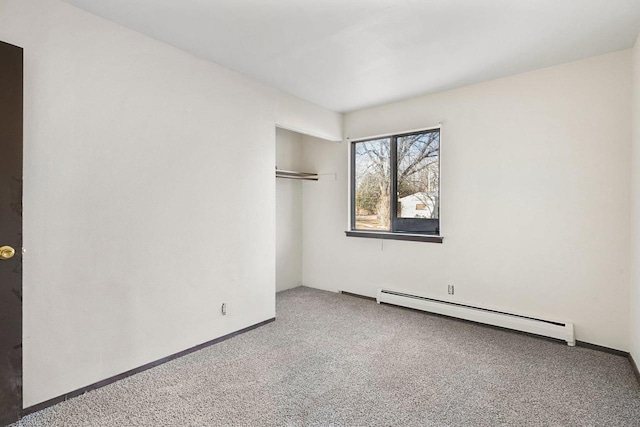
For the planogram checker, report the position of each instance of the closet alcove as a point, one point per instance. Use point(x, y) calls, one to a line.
point(298, 166)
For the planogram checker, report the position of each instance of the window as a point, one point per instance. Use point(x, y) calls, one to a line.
point(396, 187)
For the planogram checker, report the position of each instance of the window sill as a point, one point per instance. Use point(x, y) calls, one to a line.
point(395, 236)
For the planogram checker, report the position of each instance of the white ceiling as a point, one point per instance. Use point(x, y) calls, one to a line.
point(349, 54)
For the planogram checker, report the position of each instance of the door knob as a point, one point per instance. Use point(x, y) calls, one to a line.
point(7, 252)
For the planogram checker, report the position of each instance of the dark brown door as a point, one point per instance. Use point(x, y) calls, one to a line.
point(10, 233)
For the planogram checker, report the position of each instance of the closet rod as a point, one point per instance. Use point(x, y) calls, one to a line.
point(296, 175)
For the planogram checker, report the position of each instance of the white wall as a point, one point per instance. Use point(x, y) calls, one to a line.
point(535, 200)
point(300, 116)
point(635, 217)
point(139, 161)
point(288, 212)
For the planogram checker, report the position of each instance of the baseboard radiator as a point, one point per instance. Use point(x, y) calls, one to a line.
point(547, 328)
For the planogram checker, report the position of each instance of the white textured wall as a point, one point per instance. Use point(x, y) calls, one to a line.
point(288, 212)
point(139, 162)
point(535, 200)
point(635, 217)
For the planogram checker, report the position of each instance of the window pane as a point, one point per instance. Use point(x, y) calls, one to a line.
point(372, 184)
point(419, 176)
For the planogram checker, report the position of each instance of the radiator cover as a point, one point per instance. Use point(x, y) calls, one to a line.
point(548, 328)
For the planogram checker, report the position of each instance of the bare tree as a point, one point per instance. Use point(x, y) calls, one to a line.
point(375, 168)
point(418, 164)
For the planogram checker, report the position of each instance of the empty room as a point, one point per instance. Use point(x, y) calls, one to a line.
point(330, 213)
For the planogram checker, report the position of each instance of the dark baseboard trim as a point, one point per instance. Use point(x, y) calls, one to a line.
point(99, 384)
point(602, 348)
point(358, 295)
point(578, 343)
point(634, 366)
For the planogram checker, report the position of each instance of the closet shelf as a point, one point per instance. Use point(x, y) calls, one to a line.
point(280, 173)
